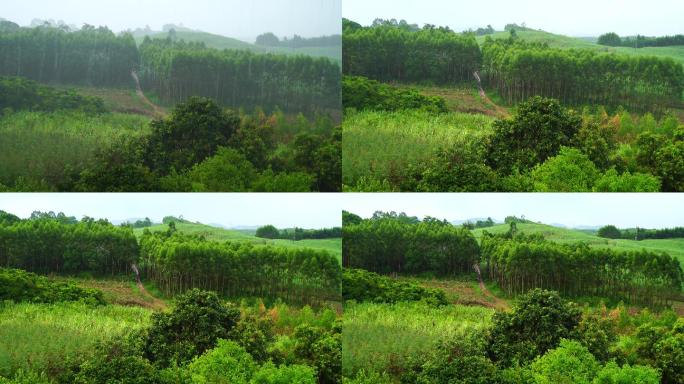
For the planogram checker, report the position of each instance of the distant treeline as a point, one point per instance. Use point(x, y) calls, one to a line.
point(520, 70)
point(177, 262)
point(271, 232)
point(612, 232)
point(89, 56)
point(519, 263)
point(49, 243)
point(177, 70)
point(388, 243)
point(271, 40)
point(612, 39)
point(394, 53)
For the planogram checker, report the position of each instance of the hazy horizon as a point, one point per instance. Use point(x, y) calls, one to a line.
point(284, 210)
point(231, 18)
point(570, 209)
point(577, 18)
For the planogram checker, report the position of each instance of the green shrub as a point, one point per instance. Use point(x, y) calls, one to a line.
point(638, 374)
point(198, 320)
point(19, 93)
point(569, 363)
point(18, 285)
point(270, 374)
point(228, 363)
point(363, 94)
point(361, 285)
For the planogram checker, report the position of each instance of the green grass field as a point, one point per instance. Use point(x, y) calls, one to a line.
point(333, 246)
point(381, 145)
point(559, 41)
point(383, 337)
point(674, 247)
point(46, 338)
point(48, 145)
point(222, 42)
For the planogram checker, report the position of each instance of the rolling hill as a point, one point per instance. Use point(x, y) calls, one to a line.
point(560, 41)
point(674, 247)
point(333, 246)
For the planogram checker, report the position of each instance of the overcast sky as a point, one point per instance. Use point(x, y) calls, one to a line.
point(571, 209)
point(305, 210)
point(244, 19)
point(574, 18)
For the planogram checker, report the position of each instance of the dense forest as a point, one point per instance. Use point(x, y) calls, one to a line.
point(177, 262)
point(519, 70)
point(392, 53)
point(175, 70)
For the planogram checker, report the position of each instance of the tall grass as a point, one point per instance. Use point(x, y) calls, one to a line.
point(383, 337)
point(381, 145)
point(50, 146)
point(47, 338)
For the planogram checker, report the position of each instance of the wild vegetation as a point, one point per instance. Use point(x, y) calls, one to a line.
point(77, 329)
point(544, 337)
point(264, 122)
point(602, 112)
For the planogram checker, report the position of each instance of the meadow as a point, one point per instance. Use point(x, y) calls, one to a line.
point(384, 337)
point(380, 145)
point(50, 337)
point(40, 146)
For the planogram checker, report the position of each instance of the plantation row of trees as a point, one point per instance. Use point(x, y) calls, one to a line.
point(387, 244)
point(175, 70)
point(612, 39)
point(519, 263)
point(177, 262)
point(393, 53)
point(89, 56)
point(271, 40)
point(519, 70)
point(612, 232)
point(271, 232)
point(46, 245)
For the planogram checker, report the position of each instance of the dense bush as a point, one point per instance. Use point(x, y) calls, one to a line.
point(196, 323)
point(17, 285)
point(361, 93)
point(537, 323)
point(361, 285)
point(17, 93)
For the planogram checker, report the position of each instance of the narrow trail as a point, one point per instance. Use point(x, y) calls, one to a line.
point(501, 111)
point(501, 304)
point(155, 302)
point(138, 90)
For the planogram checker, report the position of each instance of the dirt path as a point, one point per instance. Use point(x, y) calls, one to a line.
point(499, 304)
point(156, 303)
point(500, 111)
point(138, 90)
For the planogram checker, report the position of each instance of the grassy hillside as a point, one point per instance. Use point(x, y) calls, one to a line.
point(220, 234)
point(223, 42)
point(674, 247)
point(559, 41)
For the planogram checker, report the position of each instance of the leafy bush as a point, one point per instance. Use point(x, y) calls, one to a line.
point(457, 169)
point(569, 363)
point(539, 320)
point(198, 320)
point(228, 363)
point(321, 349)
point(361, 285)
point(638, 374)
point(18, 93)
point(18, 285)
point(569, 171)
point(361, 93)
point(284, 374)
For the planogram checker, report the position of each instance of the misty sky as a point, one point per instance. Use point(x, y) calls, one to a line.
point(574, 18)
point(571, 209)
point(305, 210)
point(243, 19)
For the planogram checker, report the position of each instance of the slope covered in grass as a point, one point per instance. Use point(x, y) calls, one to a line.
point(221, 234)
point(674, 247)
